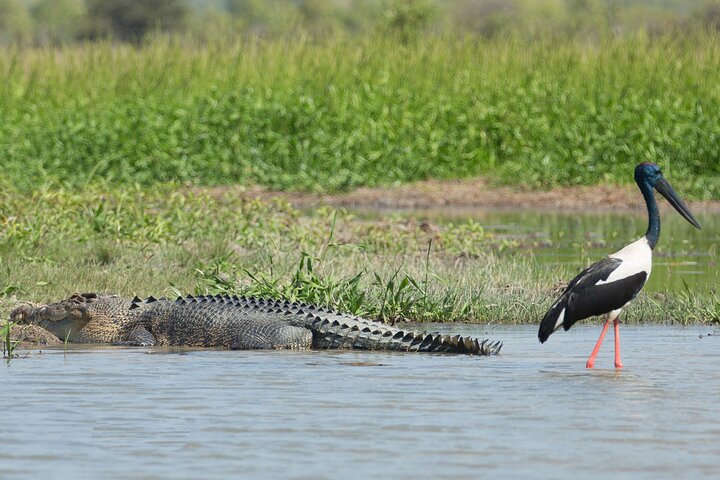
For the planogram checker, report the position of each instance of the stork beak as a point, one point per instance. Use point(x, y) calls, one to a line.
point(667, 191)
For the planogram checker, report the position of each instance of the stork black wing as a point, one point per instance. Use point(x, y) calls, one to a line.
point(598, 271)
point(583, 298)
point(601, 299)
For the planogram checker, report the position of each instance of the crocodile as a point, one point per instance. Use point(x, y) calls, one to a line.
point(238, 323)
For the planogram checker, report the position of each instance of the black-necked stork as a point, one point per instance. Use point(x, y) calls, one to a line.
point(607, 286)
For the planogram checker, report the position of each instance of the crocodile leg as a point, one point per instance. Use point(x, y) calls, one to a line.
point(278, 337)
point(138, 337)
point(216, 324)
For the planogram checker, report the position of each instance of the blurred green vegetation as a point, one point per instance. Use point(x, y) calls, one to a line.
point(298, 114)
point(42, 22)
point(329, 95)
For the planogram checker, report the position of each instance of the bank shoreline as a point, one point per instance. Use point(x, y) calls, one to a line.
point(476, 193)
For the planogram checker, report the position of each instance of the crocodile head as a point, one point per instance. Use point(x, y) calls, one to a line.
point(84, 318)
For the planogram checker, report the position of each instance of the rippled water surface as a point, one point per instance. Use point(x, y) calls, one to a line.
point(532, 412)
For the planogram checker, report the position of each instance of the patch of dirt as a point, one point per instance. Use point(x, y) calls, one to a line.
point(472, 193)
point(32, 336)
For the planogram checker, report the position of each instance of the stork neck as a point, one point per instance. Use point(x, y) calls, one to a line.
point(653, 231)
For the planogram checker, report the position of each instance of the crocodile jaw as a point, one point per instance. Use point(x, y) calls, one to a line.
point(58, 321)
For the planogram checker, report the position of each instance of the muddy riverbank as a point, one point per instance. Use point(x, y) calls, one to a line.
point(472, 193)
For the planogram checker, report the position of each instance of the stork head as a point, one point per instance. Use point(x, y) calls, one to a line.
point(649, 175)
point(648, 172)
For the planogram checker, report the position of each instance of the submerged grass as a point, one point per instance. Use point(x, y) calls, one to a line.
point(161, 241)
point(346, 112)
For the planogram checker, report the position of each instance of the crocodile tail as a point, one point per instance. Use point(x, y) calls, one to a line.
point(366, 335)
point(332, 329)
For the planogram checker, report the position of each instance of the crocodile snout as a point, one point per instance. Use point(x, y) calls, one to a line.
point(26, 314)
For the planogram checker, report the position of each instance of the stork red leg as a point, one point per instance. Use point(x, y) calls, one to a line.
point(618, 361)
point(591, 361)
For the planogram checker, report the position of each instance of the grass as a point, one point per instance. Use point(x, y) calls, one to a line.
point(334, 115)
point(168, 242)
point(8, 343)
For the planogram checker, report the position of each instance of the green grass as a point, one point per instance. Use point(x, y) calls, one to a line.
point(338, 114)
point(8, 342)
point(161, 241)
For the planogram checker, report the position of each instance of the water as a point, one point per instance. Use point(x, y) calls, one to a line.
point(532, 412)
point(684, 258)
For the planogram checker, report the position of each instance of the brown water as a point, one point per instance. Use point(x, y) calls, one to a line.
point(532, 412)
